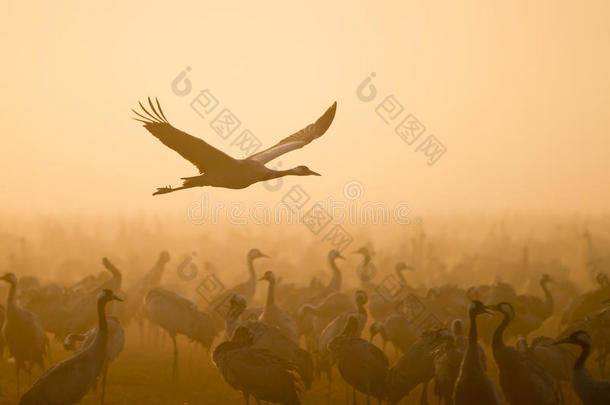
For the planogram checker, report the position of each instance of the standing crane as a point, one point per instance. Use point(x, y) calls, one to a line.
point(473, 385)
point(179, 315)
point(269, 337)
point(523, 382)
point(23, 333)
point(114, 345)
point(257, 372)
point(363, 365)
point(68, 381)
point(274, 315)
point(589, 390)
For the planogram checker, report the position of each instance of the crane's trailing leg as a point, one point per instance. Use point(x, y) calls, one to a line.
point(424, 394)
point(104, 383)
point(17, 366)
point(175, 367)
point(168, 189)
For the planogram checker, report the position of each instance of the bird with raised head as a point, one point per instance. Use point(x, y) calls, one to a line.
point(216, 168)
point(273, 314)
point(361, 364)
point(523, 382)
point(68, 381)
point(23, 333)
point(257, 372)
point(589, 390)
point(473, 385)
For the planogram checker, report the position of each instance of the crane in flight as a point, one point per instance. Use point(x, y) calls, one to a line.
point(216, 168)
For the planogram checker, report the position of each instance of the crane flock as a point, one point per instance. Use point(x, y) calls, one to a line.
point(280, 349)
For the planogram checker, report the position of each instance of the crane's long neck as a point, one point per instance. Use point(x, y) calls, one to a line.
point(473, 335)
point(401, 277)
point(11, 294)
point(251, 270)
point(101, 317)
point(337, 279)
point(157, 271)
point(498, 337)
point(361, 309)
point(274, 174)
point(582, 359)
point(271, 293)
point(548, 298)
point(472, 351)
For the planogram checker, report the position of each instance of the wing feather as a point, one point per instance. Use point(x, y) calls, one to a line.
point(201, 154)
point(298, 139)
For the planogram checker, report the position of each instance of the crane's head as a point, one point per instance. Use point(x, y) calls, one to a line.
point(164, 257)
point(255, 254)
point(580, 337)
point(304, 171)
point(602, 279)
point(400, 266)
point(241, 335)
point(457, 326)
point(505, 308)
point(238, 305)
point(442, 335)
point(334, 254)
point(521, 344)
point(107, 295)
point(361, 297)
point(476, 307)
point(268, 276)
point(545, 278)
point(9, 278)
point(433, 293)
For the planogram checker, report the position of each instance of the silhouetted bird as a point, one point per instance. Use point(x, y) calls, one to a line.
point(257, 372)
point(363, 365)
point(219, 169)
point(523, 382)
point(473, 385)
point(589, 390)
point(67, 382)
point(23, 333)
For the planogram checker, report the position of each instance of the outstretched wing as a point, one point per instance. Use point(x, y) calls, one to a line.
point(299, 139)
point(201, 154)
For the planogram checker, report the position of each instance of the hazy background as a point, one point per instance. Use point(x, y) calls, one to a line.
point(518, 92)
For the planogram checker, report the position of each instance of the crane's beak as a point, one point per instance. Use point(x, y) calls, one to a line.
point(488, 309)
point(340, 257)
point(262, 255)
point(311, 172)
point(606, 301)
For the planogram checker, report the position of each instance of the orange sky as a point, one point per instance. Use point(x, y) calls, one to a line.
point(518, 92)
